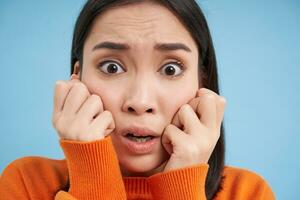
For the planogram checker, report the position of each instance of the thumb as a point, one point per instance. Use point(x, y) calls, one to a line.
point(171, 138)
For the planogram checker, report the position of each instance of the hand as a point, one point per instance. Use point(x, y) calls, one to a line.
point(195, 129)
point(78, 115)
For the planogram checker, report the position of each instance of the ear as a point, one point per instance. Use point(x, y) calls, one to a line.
point(76, 71)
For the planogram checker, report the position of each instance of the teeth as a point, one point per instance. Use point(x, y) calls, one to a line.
point(139, 139)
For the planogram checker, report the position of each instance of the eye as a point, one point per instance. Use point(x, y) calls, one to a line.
point(172, 69)
point(111, 67)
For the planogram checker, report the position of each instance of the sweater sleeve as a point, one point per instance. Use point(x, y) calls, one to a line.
point(183, 183)
point(94, 171)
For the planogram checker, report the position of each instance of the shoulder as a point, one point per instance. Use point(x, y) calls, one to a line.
point(41, 166)
point(26, 174)
point(34, 160)
point(239, 183)
point(240, 173)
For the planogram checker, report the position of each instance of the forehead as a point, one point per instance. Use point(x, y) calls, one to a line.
point(139, 23)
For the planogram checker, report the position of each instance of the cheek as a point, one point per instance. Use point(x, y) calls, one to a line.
point(173, 100)
point(182, 92)
point(109, 96)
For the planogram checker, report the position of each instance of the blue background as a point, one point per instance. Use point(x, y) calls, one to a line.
point(258, 50)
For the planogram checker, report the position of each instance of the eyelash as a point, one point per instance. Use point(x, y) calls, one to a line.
point(178, 63)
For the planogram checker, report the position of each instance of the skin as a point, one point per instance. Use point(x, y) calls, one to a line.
point(140, 93)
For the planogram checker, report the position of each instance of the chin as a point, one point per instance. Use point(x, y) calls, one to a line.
point(145, 165)
point(140, 164)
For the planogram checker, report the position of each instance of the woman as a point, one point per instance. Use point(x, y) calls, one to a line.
point(141, 117)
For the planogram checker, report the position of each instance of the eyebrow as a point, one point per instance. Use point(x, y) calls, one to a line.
point(159, 46)
point(172, 47)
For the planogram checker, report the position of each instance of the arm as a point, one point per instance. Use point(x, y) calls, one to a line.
point(93, 170)
point(83, 124)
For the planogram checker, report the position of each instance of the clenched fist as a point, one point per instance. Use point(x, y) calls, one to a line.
point(78, 115)
point(195, 129)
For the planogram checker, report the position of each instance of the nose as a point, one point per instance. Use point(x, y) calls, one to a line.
point(140, 98)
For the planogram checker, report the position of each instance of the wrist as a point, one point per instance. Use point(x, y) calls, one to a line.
point(89, 164)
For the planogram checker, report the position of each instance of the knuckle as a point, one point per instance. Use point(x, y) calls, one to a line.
point(77, 84)
point(59, 84)
point(209, 96)
point(203, 91)
point(184, 108)
point(104, 115)
point(169, 128)
point(95, 99)
point(59, 88)
point(107, 113)
point(81, 88)
point(206, 93)
point(223, 100)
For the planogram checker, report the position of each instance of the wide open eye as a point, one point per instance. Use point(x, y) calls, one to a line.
point(111, 67)
point(172, 69)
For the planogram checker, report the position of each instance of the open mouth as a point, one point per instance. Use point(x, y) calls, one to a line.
point(134, 138)
point(139, 141)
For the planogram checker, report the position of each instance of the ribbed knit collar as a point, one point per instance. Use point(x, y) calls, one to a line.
point(137, 187)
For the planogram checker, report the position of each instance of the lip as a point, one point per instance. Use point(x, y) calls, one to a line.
point(140, 147)
point(138, 131)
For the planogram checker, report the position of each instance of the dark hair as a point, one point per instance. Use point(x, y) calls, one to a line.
point(190, 14)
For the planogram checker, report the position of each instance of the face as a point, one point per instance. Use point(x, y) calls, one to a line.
point(144, 79)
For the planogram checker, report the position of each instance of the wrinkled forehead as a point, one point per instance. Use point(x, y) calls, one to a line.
point(143, 24)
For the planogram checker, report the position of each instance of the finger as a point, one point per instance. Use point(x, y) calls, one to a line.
point(221, 110)
point(90, 108)
point(194, 104)
point(206, 108)
point(61, 91)
point(189, 119)
point(171, 138)
point(104, 123)
point(220, 103)
point(175, 120)
point(76, 97)
point(185, 118)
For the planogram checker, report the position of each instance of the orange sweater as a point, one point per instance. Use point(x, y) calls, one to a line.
point(95, 174)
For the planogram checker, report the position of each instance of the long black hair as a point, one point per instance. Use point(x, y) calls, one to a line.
point(190, 14)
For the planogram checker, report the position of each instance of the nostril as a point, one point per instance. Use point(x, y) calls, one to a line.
point(149, 110)
point(130, 109)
